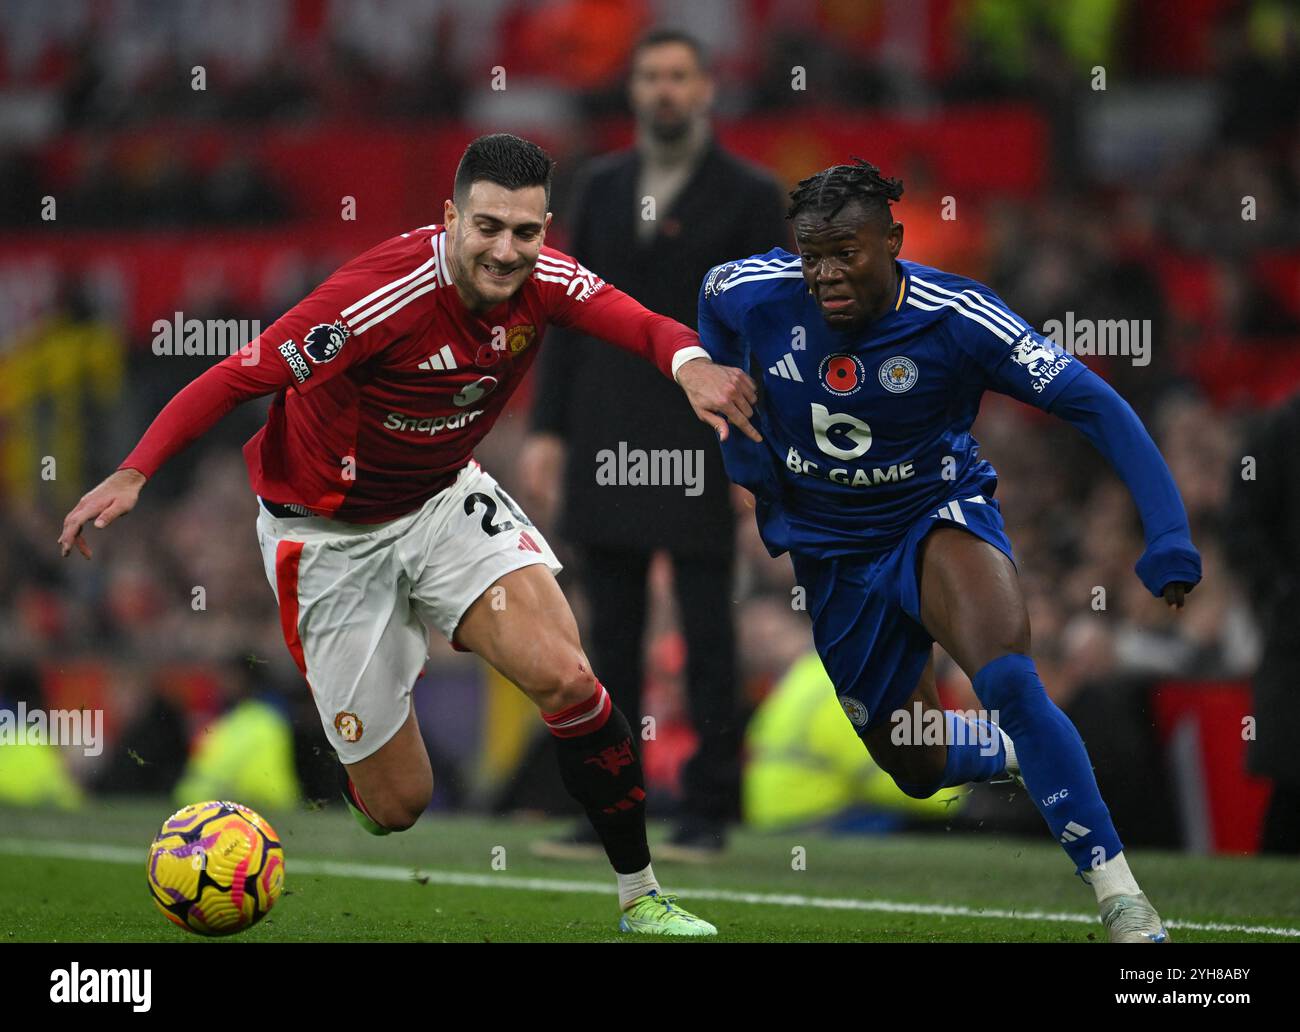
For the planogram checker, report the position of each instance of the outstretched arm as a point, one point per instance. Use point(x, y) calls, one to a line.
point(188, 416)
point(1015, 359)
point(1170, 567)
point(200, 405)
point(717, 393)
point(320, 338)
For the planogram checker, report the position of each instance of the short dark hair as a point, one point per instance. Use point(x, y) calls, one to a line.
point(660, 37)
point(506, 160)
point(832, 188)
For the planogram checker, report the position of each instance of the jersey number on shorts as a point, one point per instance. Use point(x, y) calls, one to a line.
point(490, 527)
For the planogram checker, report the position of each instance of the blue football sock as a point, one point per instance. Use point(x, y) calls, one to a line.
point(976, 752)
point(1052, 758)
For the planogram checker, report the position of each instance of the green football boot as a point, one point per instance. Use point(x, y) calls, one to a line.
point(653, 914)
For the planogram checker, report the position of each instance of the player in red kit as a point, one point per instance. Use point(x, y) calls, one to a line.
point(375, 522)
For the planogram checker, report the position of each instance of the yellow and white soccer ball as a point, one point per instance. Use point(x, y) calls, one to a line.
point(216, 868)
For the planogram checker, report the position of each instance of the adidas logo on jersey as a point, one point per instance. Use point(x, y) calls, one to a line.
point(786, 369)
point(442, 360)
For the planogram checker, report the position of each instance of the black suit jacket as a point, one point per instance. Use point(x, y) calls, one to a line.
point(1262, 540)
point(596, 396)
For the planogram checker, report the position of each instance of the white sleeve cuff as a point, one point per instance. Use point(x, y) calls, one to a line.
point(687, 354)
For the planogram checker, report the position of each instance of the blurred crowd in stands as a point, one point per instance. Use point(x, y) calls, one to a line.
point(1111, 235)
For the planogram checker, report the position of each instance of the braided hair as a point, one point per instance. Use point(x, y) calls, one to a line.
point(831, 189)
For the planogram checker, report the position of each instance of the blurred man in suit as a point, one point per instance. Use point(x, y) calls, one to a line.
point(654, 219)
point(1264, 545)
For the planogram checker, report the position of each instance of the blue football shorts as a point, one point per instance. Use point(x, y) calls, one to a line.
point(866, 611)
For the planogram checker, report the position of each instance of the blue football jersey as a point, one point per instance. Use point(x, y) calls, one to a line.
point(867, 431)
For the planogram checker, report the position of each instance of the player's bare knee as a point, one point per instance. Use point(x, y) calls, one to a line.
point(917, 789)
point(400, 812)
point(907, 764)
point(916, 769)
point(1012, 639)
point(400, 820)
point(1014, 636)
point(397, 802)
point(562, 684)
point(927, 767)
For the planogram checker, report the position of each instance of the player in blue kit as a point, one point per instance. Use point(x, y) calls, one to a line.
point(872, 370)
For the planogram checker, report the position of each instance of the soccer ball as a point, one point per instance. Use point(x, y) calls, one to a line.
point(216, 868)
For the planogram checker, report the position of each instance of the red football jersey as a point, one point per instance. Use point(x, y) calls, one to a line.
point(385, 381)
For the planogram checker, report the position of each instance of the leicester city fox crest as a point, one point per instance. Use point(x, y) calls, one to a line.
point(325, 340)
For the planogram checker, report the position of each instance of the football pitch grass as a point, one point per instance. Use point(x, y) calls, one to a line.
point(79, 877)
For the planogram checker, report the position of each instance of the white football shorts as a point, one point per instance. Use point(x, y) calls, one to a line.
point(358, 601)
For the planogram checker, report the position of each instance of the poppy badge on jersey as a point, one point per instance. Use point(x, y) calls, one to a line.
point(842, 374)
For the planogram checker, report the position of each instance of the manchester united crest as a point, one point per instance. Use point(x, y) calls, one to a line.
point(518, 338)
point(348, 725)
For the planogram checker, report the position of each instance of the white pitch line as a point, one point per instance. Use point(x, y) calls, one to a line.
point(387, 872)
